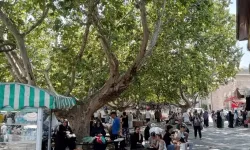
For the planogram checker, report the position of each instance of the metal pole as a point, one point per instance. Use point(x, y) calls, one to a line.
point(39, 130)
point(49, 136)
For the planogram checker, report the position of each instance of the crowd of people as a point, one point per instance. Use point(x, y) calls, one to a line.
point(235, 118)
point(174, 137)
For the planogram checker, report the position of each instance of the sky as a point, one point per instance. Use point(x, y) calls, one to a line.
point(245, 60)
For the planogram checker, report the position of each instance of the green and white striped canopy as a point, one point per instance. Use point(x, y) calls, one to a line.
point(18, 96)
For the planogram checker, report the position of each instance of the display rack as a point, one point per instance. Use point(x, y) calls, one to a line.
point(18, 131)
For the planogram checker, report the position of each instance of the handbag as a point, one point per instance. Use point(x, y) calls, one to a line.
point(201, 126)
point(70, 136)
point(100, 139)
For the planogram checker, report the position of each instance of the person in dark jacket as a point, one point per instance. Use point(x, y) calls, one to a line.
point(62, 142)
point(230, 119)
point(157, 115)
point(244, 115)
point(98, 129)
point(146, 132)
point(92, 125)
point(125, 129)
point(197, 124)
point(219, 120)
point(206, 119)
point(136, 139)
point(167, 138)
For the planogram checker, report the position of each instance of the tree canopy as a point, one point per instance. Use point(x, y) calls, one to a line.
point(94, 49)
point(196, 54)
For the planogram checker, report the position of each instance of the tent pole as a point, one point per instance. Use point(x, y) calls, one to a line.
point(39, 129)
point(49, 136)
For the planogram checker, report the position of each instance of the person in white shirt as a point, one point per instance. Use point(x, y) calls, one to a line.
point(3, 129)
point(181, 138)
point(222, 118)
point(148, 116)
point(103, 116)
point(130, 120)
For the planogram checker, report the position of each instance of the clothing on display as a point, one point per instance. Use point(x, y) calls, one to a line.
point(20, 129)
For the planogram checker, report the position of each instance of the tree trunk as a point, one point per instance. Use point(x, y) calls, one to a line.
point(79, 119)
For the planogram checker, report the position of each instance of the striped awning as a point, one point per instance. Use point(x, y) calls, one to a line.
point(18, 96)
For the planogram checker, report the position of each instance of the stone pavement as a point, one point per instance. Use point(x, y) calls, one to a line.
point(223, 139)
point(220, 139)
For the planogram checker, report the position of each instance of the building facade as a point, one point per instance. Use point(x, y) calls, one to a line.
point(215, 100)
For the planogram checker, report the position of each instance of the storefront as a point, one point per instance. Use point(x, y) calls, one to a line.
point(22, 107)
point(233, 103)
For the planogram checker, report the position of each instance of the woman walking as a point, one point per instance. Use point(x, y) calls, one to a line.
point(230, 119)
point(219, 120)
point(197, 123)
point(206, 120)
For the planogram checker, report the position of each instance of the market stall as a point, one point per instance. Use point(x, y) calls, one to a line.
point(235, 102)
point(22, 107)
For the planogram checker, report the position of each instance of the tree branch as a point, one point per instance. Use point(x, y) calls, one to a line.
point(112, 60)
point(21, 44)
point(10, 25)
point(145, 49)
point(7, 46)
point(183, 96)
point(13, 74)
point(145, 38)
point(15, 70)
point(19, 62)
point(39, 21)
point(196, 95)
point(120, 103)
point(157, 28)
point(47, 78)
point(79, 57)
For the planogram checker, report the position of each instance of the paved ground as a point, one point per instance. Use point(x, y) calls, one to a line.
point(222, 139)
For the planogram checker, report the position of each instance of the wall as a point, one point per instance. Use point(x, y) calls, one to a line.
point(216, 98)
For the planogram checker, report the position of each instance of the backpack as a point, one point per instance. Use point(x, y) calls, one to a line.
point(197, 121)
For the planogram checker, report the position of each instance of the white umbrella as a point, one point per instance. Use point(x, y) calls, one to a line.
point(156, 130)
point(30, 116)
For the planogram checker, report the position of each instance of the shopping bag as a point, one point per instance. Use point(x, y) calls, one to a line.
point(100, 140)
point(88, 139)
